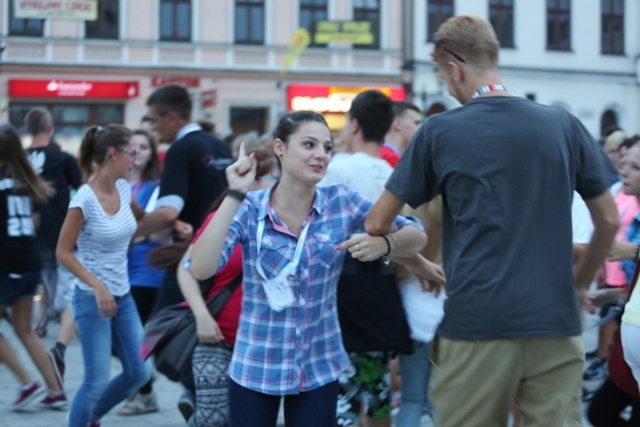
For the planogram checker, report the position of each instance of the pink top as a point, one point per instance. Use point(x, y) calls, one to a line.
point(627, 209)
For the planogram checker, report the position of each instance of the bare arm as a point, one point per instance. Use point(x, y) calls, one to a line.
point(160, 219)
point(406, 242)
point(207, 329)
point(208, 249)
point(380, 218)
point(606, 222)
point(64, 253)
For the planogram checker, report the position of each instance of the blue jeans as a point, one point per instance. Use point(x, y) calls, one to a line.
point(97, 395)
point(415, 369)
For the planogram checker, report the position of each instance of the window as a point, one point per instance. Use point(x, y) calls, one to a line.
point(559, 24)
point(249, 22)
point(175, 20)
point(108, 22)
point(613, 27)
point(501, 17)
point(438, 11)
point(312, 11)
point(248, 119)
point(24, 27)
point(368, 10)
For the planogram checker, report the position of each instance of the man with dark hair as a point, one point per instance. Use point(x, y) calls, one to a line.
point(62, 171)
point(365, 386)
point(506, 168)
point(192, 178)
point(406, 120)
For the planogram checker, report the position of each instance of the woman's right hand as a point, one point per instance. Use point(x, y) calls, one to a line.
point(208, 330)
point(106, 303)
point(242, 173)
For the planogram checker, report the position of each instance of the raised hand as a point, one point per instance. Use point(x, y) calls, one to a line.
point(242, 173)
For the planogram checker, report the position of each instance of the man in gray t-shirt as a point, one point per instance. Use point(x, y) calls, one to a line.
point(506, 168)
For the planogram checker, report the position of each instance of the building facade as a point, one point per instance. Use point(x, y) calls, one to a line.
point(581, 55)
point(230, 54)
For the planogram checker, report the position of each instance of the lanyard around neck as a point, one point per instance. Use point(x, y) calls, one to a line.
point(293, 265)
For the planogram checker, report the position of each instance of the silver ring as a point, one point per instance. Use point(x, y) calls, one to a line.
point(357, 247)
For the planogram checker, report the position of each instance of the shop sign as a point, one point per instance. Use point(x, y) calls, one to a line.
point(208, 98)
point(332, 99)
point(82, 10)
point(183, 81)
point(72, 89)
point(354, 32)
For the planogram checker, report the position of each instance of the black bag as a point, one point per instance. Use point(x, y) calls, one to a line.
point(170, 336)
point(372, 317)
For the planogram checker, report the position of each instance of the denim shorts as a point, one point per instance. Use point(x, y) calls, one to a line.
point(17, 286)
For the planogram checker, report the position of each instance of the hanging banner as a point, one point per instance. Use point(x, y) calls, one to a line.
point(81, 10)
point(299, 43)
point(354, 32)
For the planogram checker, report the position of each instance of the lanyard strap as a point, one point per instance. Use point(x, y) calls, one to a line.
point(293, 265)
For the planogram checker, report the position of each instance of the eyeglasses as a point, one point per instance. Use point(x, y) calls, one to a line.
point(438, 42)
point(152, 120)
point(132, 153)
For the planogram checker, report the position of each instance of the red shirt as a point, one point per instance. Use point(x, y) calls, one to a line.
point(228, 317)
point(387, 153)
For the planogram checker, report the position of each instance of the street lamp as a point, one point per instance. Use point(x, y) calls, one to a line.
point(406, 77)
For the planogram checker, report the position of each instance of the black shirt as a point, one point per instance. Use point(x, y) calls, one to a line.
point(60, 170)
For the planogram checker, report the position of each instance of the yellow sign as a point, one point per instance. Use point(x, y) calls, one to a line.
point(354, 32)
point(82, 10)
point(299, 43)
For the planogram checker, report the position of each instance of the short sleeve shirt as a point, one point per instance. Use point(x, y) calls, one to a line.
point(104, 239)
point(506, 168)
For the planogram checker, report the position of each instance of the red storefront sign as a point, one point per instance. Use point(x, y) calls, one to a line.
point(184, 81)
point(332, 99)
point(72, 89)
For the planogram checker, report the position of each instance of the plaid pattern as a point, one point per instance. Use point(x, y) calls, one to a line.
point(299, 348)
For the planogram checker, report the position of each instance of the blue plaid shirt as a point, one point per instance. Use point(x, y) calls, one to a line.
point(299, 348)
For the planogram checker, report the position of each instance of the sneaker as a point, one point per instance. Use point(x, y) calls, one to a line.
point(54, 401)
point(597, 369)
point(591, 354)
point(186, 405)
point(27, 395)
point(139, 404)
point(58, 364)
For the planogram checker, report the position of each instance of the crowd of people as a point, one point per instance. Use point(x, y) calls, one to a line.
point(440, 268)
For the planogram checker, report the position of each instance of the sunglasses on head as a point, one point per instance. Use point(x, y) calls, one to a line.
point(438, 42)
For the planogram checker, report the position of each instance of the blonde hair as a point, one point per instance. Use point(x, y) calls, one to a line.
point(470, 37)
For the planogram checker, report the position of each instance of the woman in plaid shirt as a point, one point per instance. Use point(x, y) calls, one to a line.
point(294, 238)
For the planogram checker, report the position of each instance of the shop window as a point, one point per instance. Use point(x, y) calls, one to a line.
point(612, 27)
point(175, 20)
point(501, 17)
point(559, 25)
point(24, 27)
point(438, 11)
point(108, 23)
point(312, 11)
point(368, 10)
point(249, 22)
point(243, 120)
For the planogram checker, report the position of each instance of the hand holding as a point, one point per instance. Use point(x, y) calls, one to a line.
point(364, 247)
point(208, 330)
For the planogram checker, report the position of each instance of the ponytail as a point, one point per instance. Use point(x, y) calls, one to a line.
point(96, 143)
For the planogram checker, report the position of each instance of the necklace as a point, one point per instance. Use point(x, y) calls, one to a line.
point(487, 89)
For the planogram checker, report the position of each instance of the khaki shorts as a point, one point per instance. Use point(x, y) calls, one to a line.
point(475, 383)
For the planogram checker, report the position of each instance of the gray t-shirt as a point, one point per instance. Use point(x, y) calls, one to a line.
point(506, 168)
point(104, 239)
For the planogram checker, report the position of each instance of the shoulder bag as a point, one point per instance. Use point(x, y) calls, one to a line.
point(170, 336)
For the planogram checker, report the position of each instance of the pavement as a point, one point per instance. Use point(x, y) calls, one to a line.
point(166, 391)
